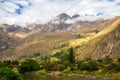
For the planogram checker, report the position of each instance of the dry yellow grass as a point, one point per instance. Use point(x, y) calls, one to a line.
point(87, 50)
point(42, 43)
point(108, 29)
point(74, 43)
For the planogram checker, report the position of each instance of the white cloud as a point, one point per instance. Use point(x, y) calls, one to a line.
point(43, 10)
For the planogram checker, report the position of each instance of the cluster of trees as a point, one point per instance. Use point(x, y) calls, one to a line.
point(106, 65)
point(7, 72)
point(28, 65)
point(66, 60)
point(61, 61)
point(10, 70)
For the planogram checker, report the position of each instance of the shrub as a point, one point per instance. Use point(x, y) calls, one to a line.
point(64, 57)
point(83, 66)
point(58, 54)
point(36, 54)
point(52, 66)
point(8, 74)
point(28, 65)
point(67, 70)
point(15, 63)
point(64, 45)
point(66, 63)
point(118, 60)
point(79, 36)
point(8, 64)
point(114, 67)
point(89, 65)
point(118, 68)
point(97, 31)
point(61, 67)
point(107, 60)
point(2, 65)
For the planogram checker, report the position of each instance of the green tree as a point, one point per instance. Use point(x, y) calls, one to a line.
point(8, 74)
point(71, 56)
point(28, 65)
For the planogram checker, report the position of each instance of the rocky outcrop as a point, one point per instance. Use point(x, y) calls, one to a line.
point(105, 44)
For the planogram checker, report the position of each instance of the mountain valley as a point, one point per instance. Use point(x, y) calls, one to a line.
point(21, 42)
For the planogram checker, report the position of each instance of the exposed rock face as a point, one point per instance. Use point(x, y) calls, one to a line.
point(109, 46)
point(60, 22)
point(105, 44)
point(75, 16)
point(28, 40)
point(4, 40)
point(60, 18)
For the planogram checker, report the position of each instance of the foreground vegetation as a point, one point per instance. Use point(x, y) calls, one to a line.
point(63, 62)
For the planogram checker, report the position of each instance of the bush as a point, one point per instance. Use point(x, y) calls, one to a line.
point(36, 54)
point(8, 64)
point(67, 70)
point(28, 65)
point(113, 67)
point(78, 36)
point(89, 65)
point(118, 60)
point(8, 74)
point(83, 66)
point(58, 54)
point(64, 45)
point(50, 66)
point(66, 63)
point(107, 60)
point(97, 31)
point(53, 66)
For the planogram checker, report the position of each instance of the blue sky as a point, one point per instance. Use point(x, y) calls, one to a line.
point(31, 11)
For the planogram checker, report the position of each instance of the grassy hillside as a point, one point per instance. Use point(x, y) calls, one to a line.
point(95, 45)
point(85, 41)
point(104, 44)
point(42, 43)
point(53, 42)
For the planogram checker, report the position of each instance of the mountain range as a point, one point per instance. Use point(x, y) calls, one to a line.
point(93, 39)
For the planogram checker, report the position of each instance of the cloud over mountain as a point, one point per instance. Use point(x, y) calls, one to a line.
point(41, 11)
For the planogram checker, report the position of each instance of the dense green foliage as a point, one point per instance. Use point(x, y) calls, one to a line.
point(8, 64)
point(71, 56)
point(106, 65)
point(8, 74)
point(28, 65)
point(61, 61)
point(65, 61)
point(89, 65)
